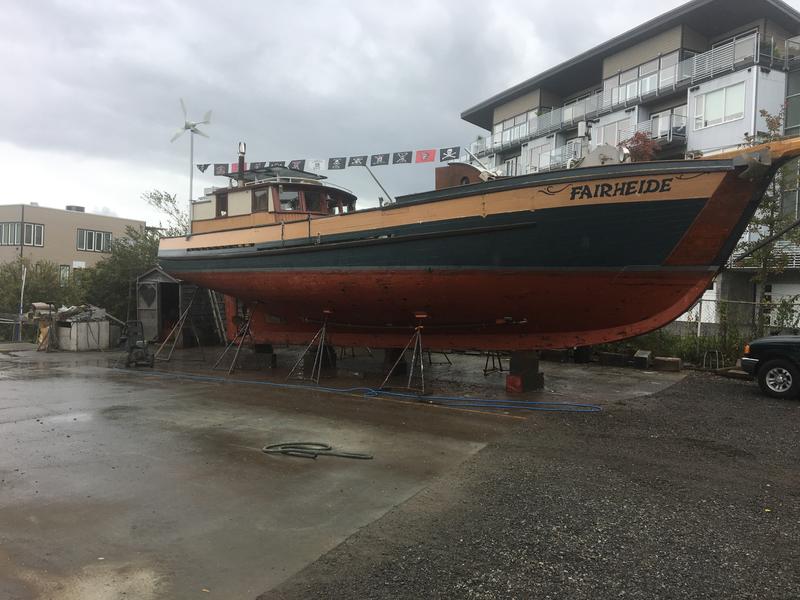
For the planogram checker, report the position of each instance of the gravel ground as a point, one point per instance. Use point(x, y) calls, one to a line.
point(691, 493)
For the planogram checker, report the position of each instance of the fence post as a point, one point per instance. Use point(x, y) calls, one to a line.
point(699, 323)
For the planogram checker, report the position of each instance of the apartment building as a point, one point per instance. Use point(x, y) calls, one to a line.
point(694, 79)
point(71, 238)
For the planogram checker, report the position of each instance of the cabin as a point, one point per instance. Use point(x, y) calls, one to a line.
point(269, 195)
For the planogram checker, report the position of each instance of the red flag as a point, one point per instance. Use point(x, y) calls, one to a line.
point(235, 167)
point(425, 156)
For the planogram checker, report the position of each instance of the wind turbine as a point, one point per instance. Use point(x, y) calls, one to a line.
point(191, 127)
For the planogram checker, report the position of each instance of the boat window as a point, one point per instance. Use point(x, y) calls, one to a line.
point(290, 200)
point(313, 200)
point(260, 200)
point(333, 204)
point(222, 205)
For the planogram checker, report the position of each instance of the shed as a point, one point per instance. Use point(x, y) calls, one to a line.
point(161, 299)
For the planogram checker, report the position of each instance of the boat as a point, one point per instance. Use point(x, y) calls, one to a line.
point(576, 257)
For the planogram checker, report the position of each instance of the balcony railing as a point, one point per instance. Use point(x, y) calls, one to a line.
point(558, 158)
point(738, 53)
point(662, 129)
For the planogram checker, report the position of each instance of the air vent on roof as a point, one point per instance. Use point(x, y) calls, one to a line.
point(74, 208)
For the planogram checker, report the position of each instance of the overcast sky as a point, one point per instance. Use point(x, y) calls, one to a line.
point(90, 88)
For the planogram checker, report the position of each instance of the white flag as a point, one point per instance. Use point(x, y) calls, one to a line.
point(316, 164)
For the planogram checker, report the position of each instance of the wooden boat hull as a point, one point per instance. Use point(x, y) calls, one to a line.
point(569, 259)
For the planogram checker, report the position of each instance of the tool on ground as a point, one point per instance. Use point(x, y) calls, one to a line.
point(138, 348)
point(311, 450)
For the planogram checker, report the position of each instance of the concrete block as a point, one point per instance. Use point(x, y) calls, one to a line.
point(257, 361)
point(517, 384)
point(560, 356)
point(582, 355)
point(665, 363)
point(613, 359)
point(524, 375)
point(643, 359)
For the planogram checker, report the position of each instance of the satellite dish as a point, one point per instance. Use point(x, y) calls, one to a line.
point(191, 127)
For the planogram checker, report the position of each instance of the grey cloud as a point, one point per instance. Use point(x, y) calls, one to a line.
point(304, 79)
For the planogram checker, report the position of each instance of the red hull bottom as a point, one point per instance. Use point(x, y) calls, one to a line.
point(467, 309)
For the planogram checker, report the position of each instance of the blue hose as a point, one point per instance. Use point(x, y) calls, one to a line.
point(448, 401)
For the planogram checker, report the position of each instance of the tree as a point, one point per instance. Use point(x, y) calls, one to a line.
point(771, 217)
point(42, 284)
point(110, 282)
point(166, 203)
point(641, 146)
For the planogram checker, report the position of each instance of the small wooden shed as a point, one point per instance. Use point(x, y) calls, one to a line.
point(161, 299)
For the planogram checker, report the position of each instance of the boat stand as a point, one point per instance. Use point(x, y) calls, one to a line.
point(447, 360)
point(497, 363)
point(417, 358)
point(238, 340)
point(177, 329)
point(322, 352)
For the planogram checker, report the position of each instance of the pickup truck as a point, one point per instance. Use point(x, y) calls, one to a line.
point(775, 362)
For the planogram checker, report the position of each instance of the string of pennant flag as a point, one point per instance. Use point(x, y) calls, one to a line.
point(405, 157)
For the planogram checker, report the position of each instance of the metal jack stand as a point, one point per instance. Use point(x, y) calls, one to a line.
point(446, 358)
point(416, 358)
point(497, 363)
point(319, 356)
point(177, 329)
point(238, 340)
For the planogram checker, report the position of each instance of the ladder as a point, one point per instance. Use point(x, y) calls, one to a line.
point(216, 301)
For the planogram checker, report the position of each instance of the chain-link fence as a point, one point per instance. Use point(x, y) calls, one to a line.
point(713, 332)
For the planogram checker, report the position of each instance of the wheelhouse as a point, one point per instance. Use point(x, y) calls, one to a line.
point(267, 196)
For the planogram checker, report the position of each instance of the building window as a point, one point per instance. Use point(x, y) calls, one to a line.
point(63, 275)
point(667, 72)
point(539, 157)
point(669, 122)
point(94, 241)
point(611, 133)
point(792, 125)
point(641, 80)
point(260, 200)
point(34, 234)
point(720, 106)
point(10, 234)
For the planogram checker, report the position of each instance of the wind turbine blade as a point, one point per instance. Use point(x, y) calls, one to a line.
point(198, 132)
point(178, 134)
point(183, 108)
point(206, 117)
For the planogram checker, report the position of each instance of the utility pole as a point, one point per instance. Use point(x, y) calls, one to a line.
point(21, 296)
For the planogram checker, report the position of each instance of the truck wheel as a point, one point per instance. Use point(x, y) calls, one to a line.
point(779, 378)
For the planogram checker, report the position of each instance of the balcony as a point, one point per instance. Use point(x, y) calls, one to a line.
point(739, 53)
point(664, 130)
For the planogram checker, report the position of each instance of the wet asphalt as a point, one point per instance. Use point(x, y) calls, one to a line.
point(141, 485)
